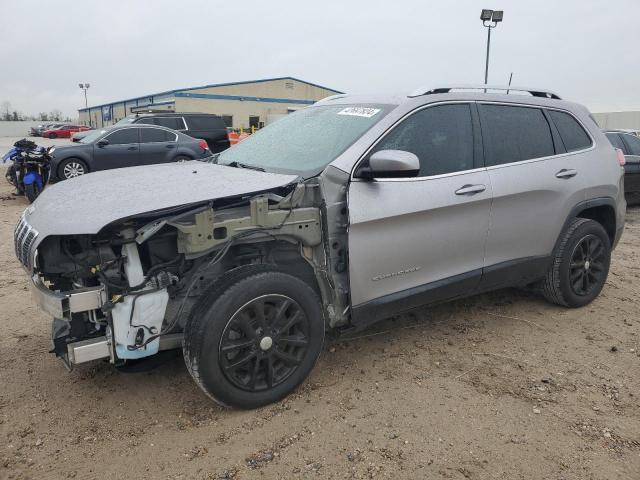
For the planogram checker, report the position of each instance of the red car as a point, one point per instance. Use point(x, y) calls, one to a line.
point(64, 131)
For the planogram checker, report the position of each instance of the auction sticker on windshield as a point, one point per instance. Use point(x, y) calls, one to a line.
point(359, 111)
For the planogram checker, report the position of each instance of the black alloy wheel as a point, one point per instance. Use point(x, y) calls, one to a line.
point(264, 342)
point(587, 267)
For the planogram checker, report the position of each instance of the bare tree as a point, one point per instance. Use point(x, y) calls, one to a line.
point(55, 115)
point(6, 108)
point(43, 116)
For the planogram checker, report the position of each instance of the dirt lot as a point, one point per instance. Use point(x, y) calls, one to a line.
point(498, 386)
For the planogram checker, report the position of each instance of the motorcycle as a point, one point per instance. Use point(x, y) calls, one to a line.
point(29, 172)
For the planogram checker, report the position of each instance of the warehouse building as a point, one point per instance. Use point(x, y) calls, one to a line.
point(627, 120)
point(245, 105)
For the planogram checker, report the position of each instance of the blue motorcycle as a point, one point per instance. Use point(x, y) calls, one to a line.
point(29, 171)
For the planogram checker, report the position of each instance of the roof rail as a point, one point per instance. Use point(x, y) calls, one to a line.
point(536, 92)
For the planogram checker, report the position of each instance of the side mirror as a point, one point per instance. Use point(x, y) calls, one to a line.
point(390, 164)
point(103, 143)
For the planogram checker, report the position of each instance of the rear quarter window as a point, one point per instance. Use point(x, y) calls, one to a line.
point(205, 123)
point(571, 132)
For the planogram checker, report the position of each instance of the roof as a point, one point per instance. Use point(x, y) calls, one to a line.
point(177, 90)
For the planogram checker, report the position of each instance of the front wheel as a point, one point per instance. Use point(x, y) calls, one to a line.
point(254, 337)
point(580, 265)
point(73, 167)
point(32, 191)
point(52, 136)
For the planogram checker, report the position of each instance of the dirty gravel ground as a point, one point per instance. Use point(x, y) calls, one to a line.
point(498, 386)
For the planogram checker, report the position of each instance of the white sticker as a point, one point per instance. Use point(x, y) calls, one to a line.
point(359, 111)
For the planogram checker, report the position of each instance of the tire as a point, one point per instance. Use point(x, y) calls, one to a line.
point(182, 158)
point(72, 167)
point(584, 253)
point(32, 191)
point(52, 136)
point(225, 348)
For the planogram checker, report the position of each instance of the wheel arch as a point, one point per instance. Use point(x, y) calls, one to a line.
point(601, 210)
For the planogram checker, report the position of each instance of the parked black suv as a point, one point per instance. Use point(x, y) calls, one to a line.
point(206, 126)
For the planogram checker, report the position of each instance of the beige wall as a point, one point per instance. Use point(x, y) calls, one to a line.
point(272, 89)
point(629, 120)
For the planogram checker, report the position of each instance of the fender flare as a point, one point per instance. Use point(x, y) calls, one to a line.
point(32, 177)
point(584, 205)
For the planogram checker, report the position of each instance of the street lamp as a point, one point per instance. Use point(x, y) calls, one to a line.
point(85, 87)
point(490, 19)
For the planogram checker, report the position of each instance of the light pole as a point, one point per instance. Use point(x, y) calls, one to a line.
point(490, 19)
point(85, 87)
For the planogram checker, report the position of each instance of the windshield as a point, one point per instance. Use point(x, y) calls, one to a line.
point(92, 136)
point(305, 141)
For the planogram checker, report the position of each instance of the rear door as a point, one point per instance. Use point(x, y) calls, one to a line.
point(417, 240)
point(157, 145)
point(536, 182)
point(122, 150)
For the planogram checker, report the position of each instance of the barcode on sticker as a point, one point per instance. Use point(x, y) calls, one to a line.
point(359, 111)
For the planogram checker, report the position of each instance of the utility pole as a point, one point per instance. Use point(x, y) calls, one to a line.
point(490, 19)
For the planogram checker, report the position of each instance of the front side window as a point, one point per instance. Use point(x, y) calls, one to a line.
point(513, 134)
point(123, 137)
point(306, 141)
point(571, 132)
point(208, 122)
point(153, 135)
point(441, 137)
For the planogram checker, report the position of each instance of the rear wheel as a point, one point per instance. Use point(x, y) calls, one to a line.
point(580, 266)
point(53, 135)
point(73, 167)
point(182, 158)
point(254, 337)
point(32, 191)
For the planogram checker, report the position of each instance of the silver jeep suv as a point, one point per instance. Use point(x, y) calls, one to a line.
point(334, 217)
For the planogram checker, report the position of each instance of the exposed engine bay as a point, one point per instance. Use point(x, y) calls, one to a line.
point(130, 288)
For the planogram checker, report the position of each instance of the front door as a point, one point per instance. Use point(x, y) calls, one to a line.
point(417, 240)
point(121, 151)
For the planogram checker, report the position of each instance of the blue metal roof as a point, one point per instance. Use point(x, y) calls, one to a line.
point(179, 90)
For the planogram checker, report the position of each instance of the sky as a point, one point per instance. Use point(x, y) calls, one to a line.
point(585, 50)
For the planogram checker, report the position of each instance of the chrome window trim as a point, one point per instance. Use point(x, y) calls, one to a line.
point(393, 126)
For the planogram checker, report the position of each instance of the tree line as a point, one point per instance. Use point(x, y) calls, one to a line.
point(7, 114)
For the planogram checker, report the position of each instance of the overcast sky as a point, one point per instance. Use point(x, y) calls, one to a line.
point(586, 50)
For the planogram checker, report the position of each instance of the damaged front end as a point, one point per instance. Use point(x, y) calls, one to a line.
point(126, 292)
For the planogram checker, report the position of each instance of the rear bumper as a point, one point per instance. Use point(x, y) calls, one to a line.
point(63, 304)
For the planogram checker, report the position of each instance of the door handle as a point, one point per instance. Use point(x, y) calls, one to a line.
point(566, 173)
point(170, 146)
point(470, 189)
point(132, 148)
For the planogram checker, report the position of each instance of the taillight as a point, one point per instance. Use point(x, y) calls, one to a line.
point(621, 159)
point(203, 144)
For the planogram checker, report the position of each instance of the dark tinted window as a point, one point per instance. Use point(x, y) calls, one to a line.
point(148, 135)
point(633, 143)
point(203, 122)
point(513, 134)
point(124, 136)
point(174, 123)
point(573, 135)
point(441, 137)
point(614, 138)
point(147, 121)
point(228, 120)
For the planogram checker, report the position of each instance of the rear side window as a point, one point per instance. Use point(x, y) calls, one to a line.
point(147, 121)
point(614, 138)
point(205, 123)
point(514, 134)
point(151, 135)
point(441, 137)
point(124, 136)
point(571, 132)
point(174, 123)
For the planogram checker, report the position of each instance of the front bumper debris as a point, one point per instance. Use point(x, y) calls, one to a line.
point(63, 304)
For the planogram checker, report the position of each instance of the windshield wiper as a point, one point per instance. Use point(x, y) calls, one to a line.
point(244, 165)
